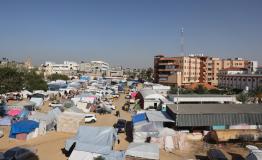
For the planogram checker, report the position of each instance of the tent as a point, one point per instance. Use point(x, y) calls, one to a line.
point(5, 121)
point(98, 140)
point(114, 155)
point(38, 102)
point(25, 126)
point(19, 153)
point(158, 116)
point(46, 121)
point(138, 117)
point(143, 150)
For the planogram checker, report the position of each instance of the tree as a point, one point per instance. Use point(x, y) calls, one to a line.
point(243, 97)
point(34, 81)
point(56, 76)
point(200, 89)
point(11, 80)
point(214, 91)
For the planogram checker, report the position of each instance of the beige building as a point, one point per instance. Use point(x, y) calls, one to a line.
point(176, 70)
point(185, 70)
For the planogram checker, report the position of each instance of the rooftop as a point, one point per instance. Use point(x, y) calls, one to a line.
point(215, 108)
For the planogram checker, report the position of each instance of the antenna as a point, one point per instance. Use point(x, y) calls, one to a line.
point(182, 41)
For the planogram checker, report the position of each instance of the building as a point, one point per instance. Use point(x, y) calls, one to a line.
point(176, 70)
point(203, 99)
point(212, 115)
point(68, 68)
point(239, 78)
point(184, 70)
point(85, 67)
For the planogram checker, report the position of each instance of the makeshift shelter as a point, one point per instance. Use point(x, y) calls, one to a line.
point(18, 153)
point(138, 117)
point(21, 129)
point(98, 140)
point(69, 121)
point(14, 112)
point(114, 155)
point(38, 102)
point(5, 121)
point(149, 98)
point(47, 121)
point(23, 104)
point(142, 150)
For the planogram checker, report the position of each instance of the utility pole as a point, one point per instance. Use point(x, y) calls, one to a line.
point(182, 47)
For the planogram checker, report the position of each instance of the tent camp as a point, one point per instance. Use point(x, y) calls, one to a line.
point(142, 150)
point(99, 140)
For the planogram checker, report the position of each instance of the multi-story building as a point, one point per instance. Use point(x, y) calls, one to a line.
point(239, 78)
point(177, 70)
point(184, 70)
point(68, 68)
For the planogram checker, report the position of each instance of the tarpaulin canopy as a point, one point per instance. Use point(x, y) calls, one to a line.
point(93, 139)
point(37, 101)
point(14, 112)
point(114, 155)
point(158, 116)
point(25, 126)
point(138, 117)
point(5, 121)
point(143, 150)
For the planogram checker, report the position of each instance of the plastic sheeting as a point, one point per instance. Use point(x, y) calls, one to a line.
point(93, 139)
point(138, 117)
point(37, 101)
point(143, 150)
point(5, 121)
point(25, 126)
point(158, 116)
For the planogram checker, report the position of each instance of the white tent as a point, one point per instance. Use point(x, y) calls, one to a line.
point(143, 150)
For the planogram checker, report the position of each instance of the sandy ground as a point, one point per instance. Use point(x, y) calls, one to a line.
point(50, 145)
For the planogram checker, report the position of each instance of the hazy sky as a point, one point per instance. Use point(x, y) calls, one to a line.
point(128, 32)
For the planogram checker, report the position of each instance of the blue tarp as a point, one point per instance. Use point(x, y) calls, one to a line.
point(138, 117)
point(25, 126)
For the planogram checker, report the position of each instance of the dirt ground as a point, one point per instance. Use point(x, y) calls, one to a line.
point(50, 145)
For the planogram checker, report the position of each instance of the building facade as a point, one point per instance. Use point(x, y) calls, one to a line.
point(68, 68)
point(239, 78)
point(184, 70)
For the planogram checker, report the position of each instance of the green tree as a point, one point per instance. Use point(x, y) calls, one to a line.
point(243, 97)
point(200, 89)
point(56, 76)
point(34, 81)
point(10, 80)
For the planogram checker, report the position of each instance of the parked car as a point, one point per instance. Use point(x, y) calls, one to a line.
point(127, 97)
point(120, 125)
point(103, 110)
point(55, 104)
point(90, 118)
point(216, 154)
point(115, 95)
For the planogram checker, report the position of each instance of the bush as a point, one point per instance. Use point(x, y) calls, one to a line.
point(56, 76)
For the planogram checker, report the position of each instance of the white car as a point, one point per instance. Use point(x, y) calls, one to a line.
point(90, 118)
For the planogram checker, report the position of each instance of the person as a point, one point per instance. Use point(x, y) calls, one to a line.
point(117, 113)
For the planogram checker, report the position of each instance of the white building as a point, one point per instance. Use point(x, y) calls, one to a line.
point(67, 68)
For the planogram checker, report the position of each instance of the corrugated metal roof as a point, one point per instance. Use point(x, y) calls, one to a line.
point(215, 114)
point(215, 108)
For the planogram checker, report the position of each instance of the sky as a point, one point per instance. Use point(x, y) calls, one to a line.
point(128, 32)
